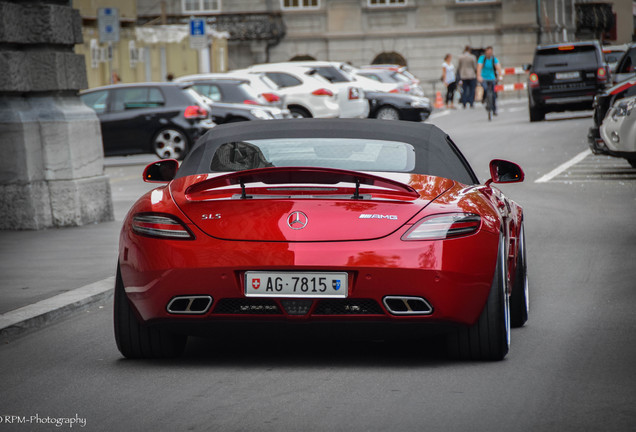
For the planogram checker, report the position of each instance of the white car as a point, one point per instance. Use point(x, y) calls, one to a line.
point(267, 90)
point(619, 130)
point(306, 94)
point(351, 99)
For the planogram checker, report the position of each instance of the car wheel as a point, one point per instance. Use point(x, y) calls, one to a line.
point(632, 162)
point(519, 301)
point(387, 113)
point(136, 340)
point(536, 114)
point(299, 112)
point(489, 337)
point(170, 144)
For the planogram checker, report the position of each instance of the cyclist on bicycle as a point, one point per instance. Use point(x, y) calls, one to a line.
point(488, 70)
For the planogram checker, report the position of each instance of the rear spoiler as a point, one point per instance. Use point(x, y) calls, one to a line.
point(305, 175)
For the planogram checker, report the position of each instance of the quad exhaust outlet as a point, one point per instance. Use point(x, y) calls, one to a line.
point(193, 305)
point(407, 305)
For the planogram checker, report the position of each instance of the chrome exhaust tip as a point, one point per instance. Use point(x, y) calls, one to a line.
point(192, 305)
point(407, 305)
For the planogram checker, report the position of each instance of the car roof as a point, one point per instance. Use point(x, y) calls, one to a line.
point(420, 135)
point(579, 43)
point(143, 84)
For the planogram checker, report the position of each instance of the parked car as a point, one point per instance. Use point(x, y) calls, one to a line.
point(338, 222)
point(625, 69)
point(161, 118)
point(602, 104)
point(266, 89)
point(612, 54)
point(402, 74)
point(350, 98)
point(618, 130)
point(304, 95)
point(382, 105)
point(233, 99)
point(392, 106)
point(565, 77)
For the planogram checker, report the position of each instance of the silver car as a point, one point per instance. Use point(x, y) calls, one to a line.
point(619, 130)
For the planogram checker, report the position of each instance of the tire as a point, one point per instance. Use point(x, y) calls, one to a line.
point(387, 113)
point(489, 337)
point(170, 143)
point(536, 114)
point(299, 112)
point(136, 340)
point(519, 301)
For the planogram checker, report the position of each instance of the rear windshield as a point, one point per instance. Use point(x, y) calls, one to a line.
point(351, 154)
point(574, 56)
point(331, 73)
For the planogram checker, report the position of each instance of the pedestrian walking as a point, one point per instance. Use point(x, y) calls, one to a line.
point(488, 72)
point(467, 70)
point(449, 78)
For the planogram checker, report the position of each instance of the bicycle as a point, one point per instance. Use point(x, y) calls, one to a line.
point(489, 97)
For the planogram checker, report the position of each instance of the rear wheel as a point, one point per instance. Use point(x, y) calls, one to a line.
point(387, 113)
point(519, 301)
point(299, 112)
point(170, 144)
point(489, 337)
point(536, 114)
point(136, 340)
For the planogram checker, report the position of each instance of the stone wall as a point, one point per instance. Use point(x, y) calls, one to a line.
point(53, 159)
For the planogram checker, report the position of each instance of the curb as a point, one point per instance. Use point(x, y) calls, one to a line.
point(44, 312)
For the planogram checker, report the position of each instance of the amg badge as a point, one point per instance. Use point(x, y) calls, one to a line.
point(377, 216)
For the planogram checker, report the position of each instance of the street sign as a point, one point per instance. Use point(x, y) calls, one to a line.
point(198, 36)
point(108, 24)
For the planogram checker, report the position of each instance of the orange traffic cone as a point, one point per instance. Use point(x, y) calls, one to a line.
point(439, 102)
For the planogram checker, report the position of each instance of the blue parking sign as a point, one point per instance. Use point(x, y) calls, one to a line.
point(197, 27)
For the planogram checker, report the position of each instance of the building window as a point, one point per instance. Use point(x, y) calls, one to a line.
point(384, 3)
point(475, 1)
point(190, 6)
point(300, 4)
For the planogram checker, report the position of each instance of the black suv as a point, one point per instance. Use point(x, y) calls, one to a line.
point(565, 77)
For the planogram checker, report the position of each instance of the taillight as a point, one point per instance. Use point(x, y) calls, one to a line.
point(444, 226)
point(250, 102)
point(322, 92)
point(406, 89)
point(601, 74)
point(354, 93)
point(394, 91)
point(195, 112)
point(271, 97)
point(160, 226)
point(534, 80)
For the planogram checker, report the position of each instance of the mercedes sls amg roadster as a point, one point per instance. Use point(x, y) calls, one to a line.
point(312, 222)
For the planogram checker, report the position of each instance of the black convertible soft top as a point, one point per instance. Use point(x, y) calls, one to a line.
point(435, 152)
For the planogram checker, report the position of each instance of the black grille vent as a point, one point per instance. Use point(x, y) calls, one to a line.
point(348, 307)
point(248, 306)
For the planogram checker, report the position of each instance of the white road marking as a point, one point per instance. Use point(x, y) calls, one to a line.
point(439, 114)
point(558, 170)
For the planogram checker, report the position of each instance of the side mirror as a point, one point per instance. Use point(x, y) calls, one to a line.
point(502, 171)
point(526, 67)
point(161, 171)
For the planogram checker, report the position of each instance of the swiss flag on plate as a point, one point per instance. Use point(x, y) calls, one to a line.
point(256, 283)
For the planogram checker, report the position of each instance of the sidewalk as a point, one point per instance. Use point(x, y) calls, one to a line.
point(50, 273)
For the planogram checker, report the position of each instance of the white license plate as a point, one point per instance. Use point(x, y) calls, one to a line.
point(567, 75)
point(296, 284)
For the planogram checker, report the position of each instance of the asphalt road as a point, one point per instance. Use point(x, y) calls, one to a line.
point(571, 368)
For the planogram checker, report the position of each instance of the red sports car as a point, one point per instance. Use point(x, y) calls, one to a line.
point(322, 221)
